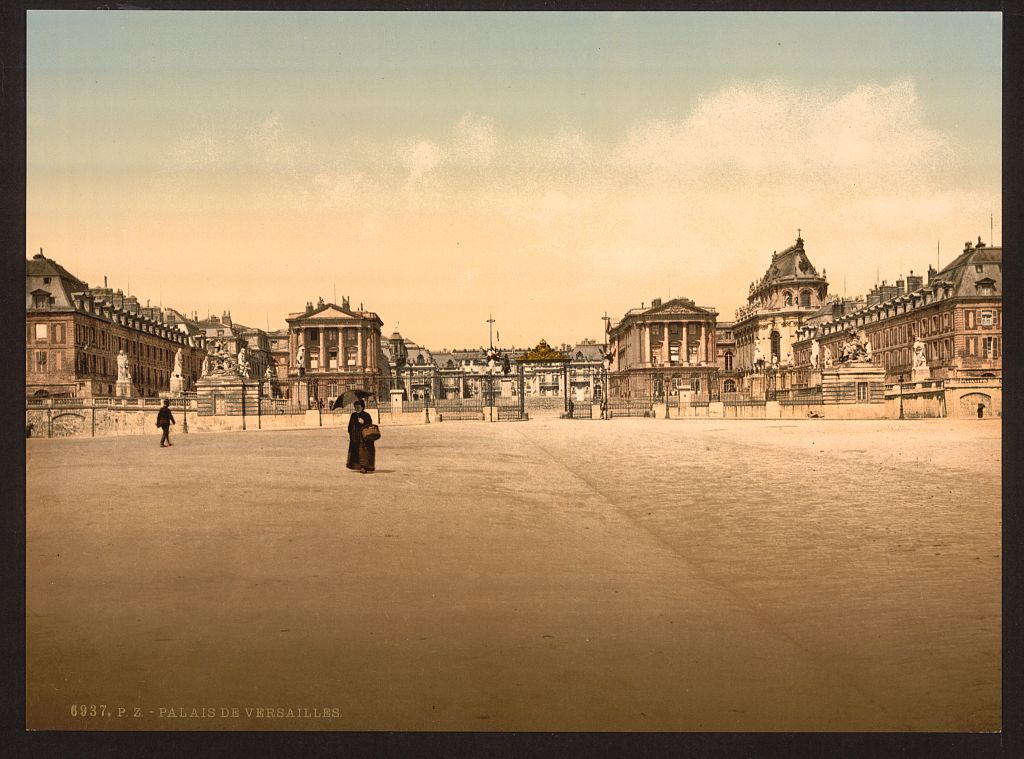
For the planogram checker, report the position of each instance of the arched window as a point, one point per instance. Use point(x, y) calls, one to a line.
point(776, 344)
point(450, 364)
point(805, 299)
point(419, 360)
point(729, 386)
point(787, 298)
point(579, 355)
point(728, 361)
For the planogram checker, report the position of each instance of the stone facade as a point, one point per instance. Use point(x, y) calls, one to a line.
point(957, 315)
point(790, 291)
point(335, 349)
point(74, 334)
point(662, 349)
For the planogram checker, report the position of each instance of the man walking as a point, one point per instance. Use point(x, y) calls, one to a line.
point(165, 419)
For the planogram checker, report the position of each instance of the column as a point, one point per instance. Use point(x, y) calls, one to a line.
point(702, 355)
point(360, 353)
point(323, 349)
point(665, 353)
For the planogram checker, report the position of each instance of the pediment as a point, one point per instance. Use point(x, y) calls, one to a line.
point(675, 308)
point(332, 312)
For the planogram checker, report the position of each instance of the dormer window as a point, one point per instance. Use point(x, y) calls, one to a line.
point(986, 286)
point(46, 280)
point(978, 269)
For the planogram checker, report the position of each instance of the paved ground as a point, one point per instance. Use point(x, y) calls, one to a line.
point(633, 574)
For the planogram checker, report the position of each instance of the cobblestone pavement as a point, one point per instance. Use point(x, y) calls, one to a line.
point(631, 574)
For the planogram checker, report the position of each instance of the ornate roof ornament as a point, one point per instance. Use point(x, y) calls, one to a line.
point(543, 352)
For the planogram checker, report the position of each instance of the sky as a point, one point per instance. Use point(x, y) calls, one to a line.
point(543, 168)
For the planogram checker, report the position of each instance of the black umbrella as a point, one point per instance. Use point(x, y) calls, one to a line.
point(350, 396)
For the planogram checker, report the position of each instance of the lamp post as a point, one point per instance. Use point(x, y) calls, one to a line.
point(901, 395)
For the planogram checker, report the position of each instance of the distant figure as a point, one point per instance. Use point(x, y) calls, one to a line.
point(981, 410)
point(164, 420)
point(361, 453)
point(28, 429)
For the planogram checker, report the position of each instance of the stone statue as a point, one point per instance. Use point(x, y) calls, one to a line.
point(300, 355)
point(789, 358)
point(920, 360)
point(123, 375)
point(815, 350)
point(827, 357)
point(865, 344)
point(243, 363)
point(177, 363)
point(268, 375)
point(758, 356)
point(206, 366)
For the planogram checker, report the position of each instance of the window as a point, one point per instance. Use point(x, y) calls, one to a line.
point(729, 386)
point(986, 319)
point(728, 361)
point(862, 392)
point(970, 320)
point(40, 300)
point(695, 385)
point(41, 331)
point(989, 345)
point(776, 344)
point(41, 361)
point(805, 299)
point(978, 268)
point(787, 298)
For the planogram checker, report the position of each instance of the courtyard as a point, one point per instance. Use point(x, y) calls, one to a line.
point(633, 574)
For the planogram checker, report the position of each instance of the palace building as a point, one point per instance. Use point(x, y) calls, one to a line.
point(75, 333)
point(657, 351)
point(336, 348)
point(957, 315)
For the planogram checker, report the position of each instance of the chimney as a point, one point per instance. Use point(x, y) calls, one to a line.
point(344, 302)
point(914, 283)
point(931, 273)
point(309, 307)
point(655, 302)
point(899, 286)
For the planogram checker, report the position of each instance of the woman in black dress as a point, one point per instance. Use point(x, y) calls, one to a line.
point(361, 454)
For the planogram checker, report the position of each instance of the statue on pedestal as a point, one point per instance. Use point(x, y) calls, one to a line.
point(815, 351)
point(758, 357)
point(920, 360)
point(177, 364)
point(827, 354)
point(123, 374)
point(243, 363)
point(206, 366)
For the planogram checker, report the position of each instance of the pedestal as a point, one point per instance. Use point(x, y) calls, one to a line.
point(124, 389)
point(177, 384)
point(920, 374)
point(860, 384)
point(397, 400)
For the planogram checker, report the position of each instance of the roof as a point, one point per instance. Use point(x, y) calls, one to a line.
point(60, 288)
point(962, 271)
point(41, 266)
point(791, 266)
